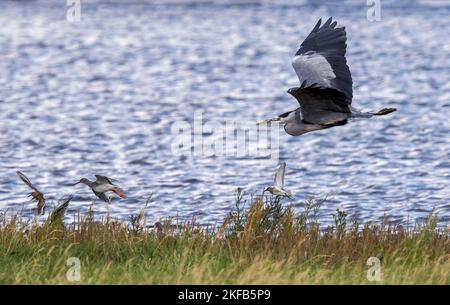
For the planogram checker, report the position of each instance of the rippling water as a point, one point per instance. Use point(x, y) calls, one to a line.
point(101, 96)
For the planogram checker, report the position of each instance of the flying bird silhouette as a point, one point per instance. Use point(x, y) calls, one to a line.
point(278, 185)
point(35, 194)
point(100, 186)
point(325, 93)
point(57, 216)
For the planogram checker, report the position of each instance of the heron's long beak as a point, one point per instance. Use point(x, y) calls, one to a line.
point(75, 183)
point(277, 119)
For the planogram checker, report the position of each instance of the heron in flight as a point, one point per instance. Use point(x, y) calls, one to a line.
point(278, 185)
point(100, 186)
point(325, 93)
point(35, 194)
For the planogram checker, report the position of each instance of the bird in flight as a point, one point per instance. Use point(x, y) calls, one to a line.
point(278, 185)
point(36, 194)
point(100, 186)
point(325, 93)
point(57, 216)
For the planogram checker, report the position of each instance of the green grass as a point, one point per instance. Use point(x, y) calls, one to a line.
point(265, 243)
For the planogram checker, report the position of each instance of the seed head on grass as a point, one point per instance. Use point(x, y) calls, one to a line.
point(263, 240)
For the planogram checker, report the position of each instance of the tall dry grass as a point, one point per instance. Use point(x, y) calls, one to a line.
point(266, 243)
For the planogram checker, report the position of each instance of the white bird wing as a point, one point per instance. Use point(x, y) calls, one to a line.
point(279, 175)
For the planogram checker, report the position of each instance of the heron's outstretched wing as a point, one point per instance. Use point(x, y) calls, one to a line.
point(321, 59)
point(318, 105)
point(279, 175)
point(27, 181)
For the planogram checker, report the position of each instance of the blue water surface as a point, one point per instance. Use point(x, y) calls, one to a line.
point(102, 95)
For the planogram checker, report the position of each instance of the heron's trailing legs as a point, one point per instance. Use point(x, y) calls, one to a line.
point(359, 114)
point(385, 111)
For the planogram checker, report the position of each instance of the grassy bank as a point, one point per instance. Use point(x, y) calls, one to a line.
point(261, 243)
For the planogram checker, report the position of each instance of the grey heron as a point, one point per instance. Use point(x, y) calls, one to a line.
point(35, 194)
point(278, 185)
point(100, 186)
point(325, 93)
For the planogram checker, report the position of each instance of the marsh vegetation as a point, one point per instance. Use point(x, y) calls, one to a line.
point(260, 241)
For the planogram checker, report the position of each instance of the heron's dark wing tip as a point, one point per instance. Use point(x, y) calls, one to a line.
point(317, 26)
point(330, 42)
point(328, 22)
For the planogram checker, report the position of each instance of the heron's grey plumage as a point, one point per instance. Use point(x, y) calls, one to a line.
point(325, 93)
point(321, 59)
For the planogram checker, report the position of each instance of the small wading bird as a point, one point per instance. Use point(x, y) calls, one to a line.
point(36, 194)
point(100, 186)
point(278, 185)
point(57, 216)
point(325, 93)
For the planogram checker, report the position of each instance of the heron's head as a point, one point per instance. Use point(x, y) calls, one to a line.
point(287, 116)
point(281, 119)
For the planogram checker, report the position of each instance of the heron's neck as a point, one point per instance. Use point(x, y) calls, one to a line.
point(291, 117)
